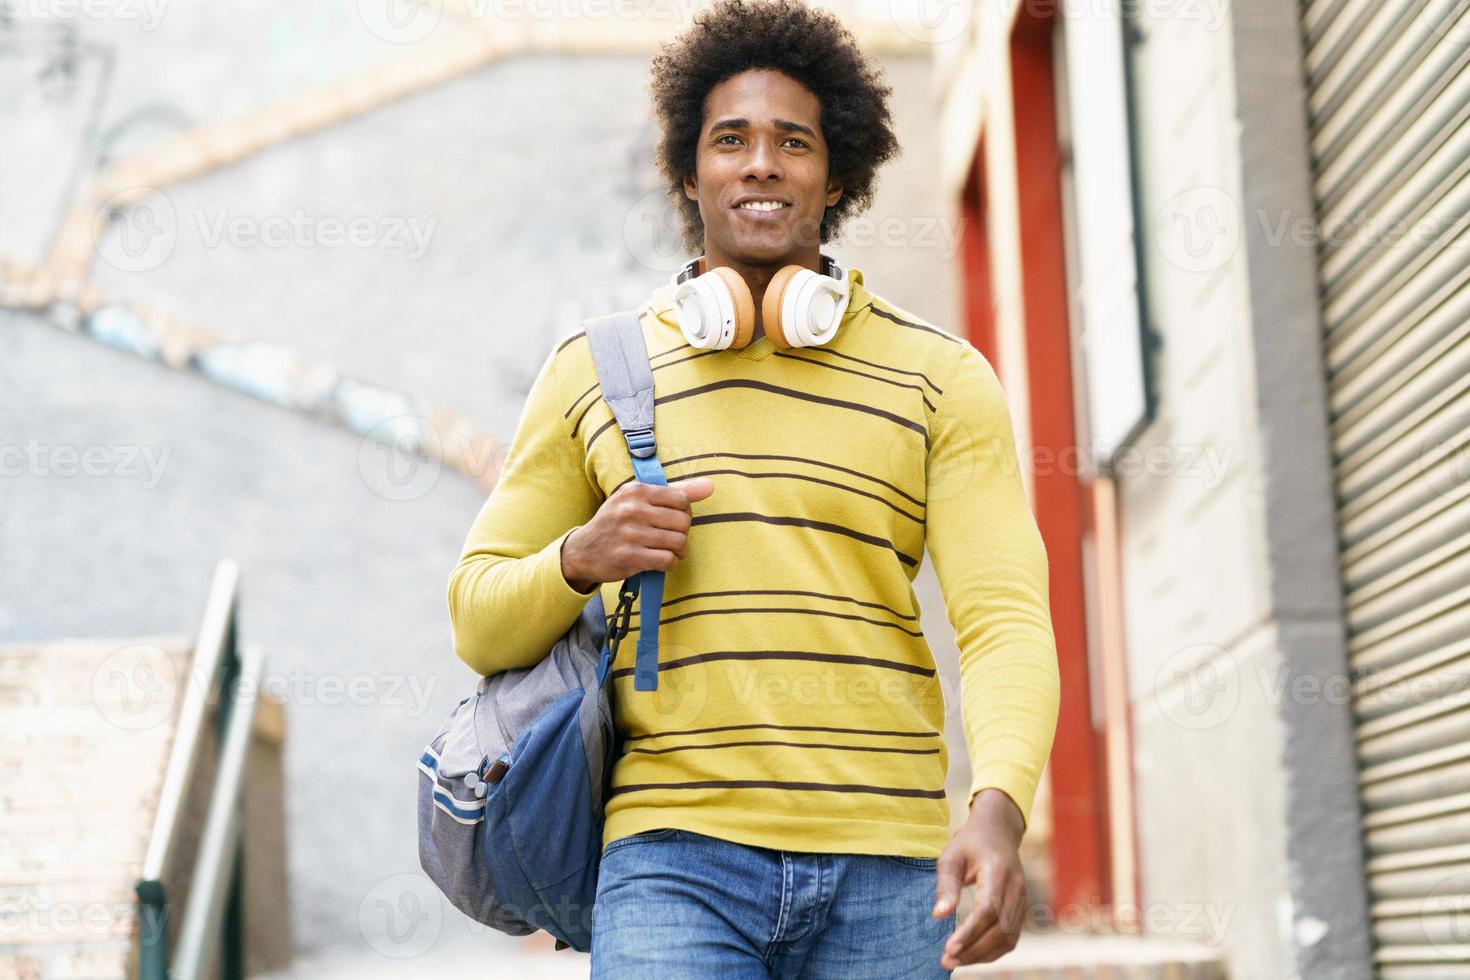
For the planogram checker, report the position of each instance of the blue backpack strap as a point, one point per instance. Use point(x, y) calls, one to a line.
point(621, 358)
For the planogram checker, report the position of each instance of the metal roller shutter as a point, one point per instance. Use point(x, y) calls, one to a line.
point(1389, 100)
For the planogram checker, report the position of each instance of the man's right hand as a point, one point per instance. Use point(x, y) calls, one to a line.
point(641, 527)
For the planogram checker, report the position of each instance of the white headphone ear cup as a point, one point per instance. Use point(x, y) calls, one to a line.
point(812, 308)
point(697, 303)
point(715, 310)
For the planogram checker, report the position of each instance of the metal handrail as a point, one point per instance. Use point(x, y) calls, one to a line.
point(214, 670)
point(215, 867)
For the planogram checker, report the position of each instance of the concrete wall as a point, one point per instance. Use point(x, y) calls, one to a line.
point(532, 170)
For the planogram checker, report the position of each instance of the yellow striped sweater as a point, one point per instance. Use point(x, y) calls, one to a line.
point(798, 705)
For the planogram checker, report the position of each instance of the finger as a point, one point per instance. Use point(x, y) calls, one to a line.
point(981, 917)
point(654, 559)
point(949, 882)
point(659, 539)
point(1001, 937)
point(990, 945)
point(669, 518)
point(696, 488)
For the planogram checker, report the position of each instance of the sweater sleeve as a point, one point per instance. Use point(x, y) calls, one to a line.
point(508, 599)
point(992, 569)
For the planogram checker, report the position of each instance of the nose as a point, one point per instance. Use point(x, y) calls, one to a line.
point(762, 161)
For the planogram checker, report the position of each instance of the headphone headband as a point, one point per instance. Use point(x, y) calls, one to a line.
point(830, 267)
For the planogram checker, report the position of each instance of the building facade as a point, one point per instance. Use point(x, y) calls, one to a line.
point(1211, 249)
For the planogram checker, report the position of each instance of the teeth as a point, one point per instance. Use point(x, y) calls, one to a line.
point(762, 205)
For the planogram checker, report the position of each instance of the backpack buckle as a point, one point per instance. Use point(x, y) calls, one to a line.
point(640, 442)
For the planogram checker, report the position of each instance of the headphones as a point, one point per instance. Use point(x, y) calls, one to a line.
point(801, 308)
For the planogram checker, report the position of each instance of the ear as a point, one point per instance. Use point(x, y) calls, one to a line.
point(691, 187)
point(834, 193)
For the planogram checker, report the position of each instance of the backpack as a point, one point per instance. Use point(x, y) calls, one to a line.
point(512, 787)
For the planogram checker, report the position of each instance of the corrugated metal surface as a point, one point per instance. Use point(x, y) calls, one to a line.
point(1389, 97)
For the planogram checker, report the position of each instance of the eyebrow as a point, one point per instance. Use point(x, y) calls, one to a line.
point(784, 125)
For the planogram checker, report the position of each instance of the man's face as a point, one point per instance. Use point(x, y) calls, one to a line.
point(761, 137)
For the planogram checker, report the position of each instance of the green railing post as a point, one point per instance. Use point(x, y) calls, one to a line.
point(152, 931)
point(232, 938)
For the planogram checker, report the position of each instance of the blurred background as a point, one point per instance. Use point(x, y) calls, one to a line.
point(275, 280)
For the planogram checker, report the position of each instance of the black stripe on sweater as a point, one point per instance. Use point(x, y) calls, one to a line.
point(786, 728)
point(798, 745)
point(928, 794)
point(748, 517)
point(775, 390)
point(835, 658)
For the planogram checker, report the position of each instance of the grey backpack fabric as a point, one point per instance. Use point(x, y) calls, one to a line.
point(513, 785)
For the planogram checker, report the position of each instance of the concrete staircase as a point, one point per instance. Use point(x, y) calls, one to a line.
point(88, 727)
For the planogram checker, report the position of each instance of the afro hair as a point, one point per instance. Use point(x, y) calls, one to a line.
point(810, 46)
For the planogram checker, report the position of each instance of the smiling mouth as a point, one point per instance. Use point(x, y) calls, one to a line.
point(762, 210)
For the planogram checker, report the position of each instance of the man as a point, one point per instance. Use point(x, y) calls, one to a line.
point(778, 809)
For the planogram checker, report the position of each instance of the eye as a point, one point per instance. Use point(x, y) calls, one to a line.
point(727, 136)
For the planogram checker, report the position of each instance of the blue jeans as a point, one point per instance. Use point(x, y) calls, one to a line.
point(676, 904)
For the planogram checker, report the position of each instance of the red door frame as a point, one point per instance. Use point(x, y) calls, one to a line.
point(1077, 768)
point(1079, 785)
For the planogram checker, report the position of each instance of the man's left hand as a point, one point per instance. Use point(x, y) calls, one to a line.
point(985, 852)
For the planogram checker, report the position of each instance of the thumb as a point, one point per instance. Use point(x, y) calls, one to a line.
point(697, 488)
